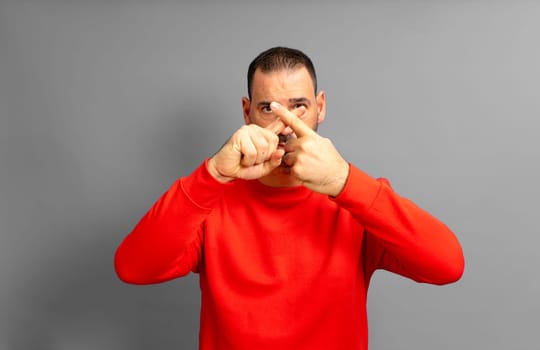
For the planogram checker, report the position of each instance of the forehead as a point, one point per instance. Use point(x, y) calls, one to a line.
point(282, 82)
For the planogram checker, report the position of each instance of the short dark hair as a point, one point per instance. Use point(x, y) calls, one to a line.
point(278, 58)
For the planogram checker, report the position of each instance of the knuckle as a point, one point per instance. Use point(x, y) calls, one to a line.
point(300, 160)
point(241, 133)
point(249, 152)
point(273, 139)
point(296, 171)
point(260, 143)
point(306, 145)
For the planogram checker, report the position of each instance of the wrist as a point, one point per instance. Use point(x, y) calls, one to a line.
point(341, 180)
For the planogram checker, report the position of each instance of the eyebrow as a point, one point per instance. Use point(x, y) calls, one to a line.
point(300, 100)
point(291, 101)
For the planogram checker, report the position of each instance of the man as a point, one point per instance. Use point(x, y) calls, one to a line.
point(284, 233)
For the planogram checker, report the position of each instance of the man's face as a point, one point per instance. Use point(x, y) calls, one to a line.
point(291, 88)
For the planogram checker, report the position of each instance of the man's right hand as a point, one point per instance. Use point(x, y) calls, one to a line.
point(251, 153)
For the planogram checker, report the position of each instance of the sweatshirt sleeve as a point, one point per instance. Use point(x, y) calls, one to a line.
point(166, 243)
point(402, 237)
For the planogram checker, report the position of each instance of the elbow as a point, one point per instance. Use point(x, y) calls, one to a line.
point(136, 271)
point(123, 274)
point(454, 274)
point(451, 264)
point(457, 267)
point(452, 271)
point(125, 271)
point(126, 276)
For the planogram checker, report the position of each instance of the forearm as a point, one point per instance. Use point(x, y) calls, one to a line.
point(418, 245)
point(166, 242)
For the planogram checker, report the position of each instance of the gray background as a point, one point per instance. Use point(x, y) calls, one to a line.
point(103, 104)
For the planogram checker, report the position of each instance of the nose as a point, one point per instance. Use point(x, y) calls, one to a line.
point(287, 131)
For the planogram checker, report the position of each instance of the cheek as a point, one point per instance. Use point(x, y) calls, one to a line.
point(312, 120)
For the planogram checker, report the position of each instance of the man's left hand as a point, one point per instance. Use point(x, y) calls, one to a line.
point(312, 158)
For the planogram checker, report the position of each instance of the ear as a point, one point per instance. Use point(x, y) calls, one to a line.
point(246, 104)
point(321, 106)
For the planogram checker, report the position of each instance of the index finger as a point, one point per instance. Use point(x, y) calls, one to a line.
point(290, 119)
point(277, 126)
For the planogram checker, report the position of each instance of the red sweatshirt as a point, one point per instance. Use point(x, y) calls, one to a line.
point(285, 268)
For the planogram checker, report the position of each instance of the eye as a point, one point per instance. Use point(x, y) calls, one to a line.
point(266, 109)
point(298, 105)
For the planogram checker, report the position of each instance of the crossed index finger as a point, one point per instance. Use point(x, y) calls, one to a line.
point(277, 126)
point(291, 120)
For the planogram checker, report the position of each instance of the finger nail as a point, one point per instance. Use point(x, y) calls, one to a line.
point(274, 105)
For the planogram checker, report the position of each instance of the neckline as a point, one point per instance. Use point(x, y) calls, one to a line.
point(273, 195)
